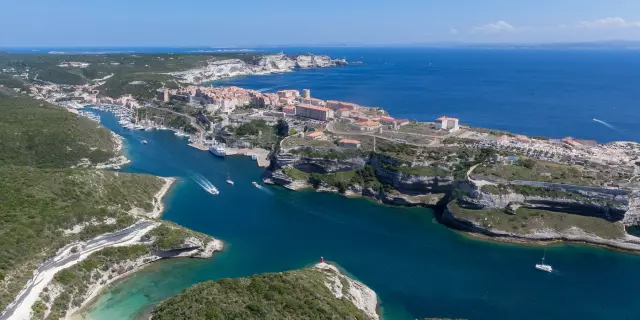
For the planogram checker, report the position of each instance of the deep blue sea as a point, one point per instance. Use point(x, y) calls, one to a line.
point(534, 92)
point(418, 267)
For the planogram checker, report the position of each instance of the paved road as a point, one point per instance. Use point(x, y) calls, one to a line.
point(95, 244)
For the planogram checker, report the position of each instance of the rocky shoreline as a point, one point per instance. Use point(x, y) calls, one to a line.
point(432, 201)
point(343, 287)
point(132, 266)
point(439, 203)
point(158, 205)
point(266, 64)
point(118, 161)
point(628, 243)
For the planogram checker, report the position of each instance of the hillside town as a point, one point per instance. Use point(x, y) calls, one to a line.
point(326, 119)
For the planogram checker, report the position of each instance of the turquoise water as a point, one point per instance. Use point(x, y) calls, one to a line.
point(418, 267)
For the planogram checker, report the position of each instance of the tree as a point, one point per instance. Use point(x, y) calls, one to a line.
point(527, 163)
point(282, 128)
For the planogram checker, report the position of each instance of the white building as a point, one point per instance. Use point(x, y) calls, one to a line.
point(446, 123)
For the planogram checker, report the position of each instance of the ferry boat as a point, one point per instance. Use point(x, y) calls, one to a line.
point(542, 266)
point(219, 149)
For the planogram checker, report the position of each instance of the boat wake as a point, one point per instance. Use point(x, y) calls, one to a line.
point(205, 184)
point(264, 189)
point(606, 124)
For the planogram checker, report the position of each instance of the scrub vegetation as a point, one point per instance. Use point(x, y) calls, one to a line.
point(299, 294)
point(41, 196)
point(527, 221)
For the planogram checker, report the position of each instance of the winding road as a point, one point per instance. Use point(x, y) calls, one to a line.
point(20, 308)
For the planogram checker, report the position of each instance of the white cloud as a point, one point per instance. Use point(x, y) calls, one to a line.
point(607, 23)
point(453, 31)
point(493, 28)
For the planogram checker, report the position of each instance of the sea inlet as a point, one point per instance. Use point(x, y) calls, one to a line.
point(418, 267)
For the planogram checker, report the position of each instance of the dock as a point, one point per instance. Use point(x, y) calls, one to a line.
point(262, 155)
point(199, 146)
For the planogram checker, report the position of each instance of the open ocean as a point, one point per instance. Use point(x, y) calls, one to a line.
point(533, 92)
point(418, 267)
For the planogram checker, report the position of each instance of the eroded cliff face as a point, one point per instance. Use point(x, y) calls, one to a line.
point(408, 190)
point(266, 64)
point(320, 165)
point(609, 206)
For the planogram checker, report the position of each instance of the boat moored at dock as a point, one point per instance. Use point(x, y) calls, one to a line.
point(218, 149)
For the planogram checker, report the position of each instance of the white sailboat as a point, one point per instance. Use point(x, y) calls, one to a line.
point(542, 266)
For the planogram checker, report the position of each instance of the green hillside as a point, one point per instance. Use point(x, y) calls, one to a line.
point(36, 133)
point(299, 294)
point(40, 196)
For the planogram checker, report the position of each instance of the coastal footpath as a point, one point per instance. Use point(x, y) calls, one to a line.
point(71, 228)
point(320, 292)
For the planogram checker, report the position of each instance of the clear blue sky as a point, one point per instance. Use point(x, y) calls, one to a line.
point(289, 22)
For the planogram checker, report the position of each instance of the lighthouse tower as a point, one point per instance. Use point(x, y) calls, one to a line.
point(321, 259)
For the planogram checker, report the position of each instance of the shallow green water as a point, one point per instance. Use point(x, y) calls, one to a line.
point(418, 267)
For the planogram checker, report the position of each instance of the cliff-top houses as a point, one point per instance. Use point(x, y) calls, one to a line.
point(289, 102)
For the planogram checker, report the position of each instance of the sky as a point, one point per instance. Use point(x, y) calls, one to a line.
point(245, 23)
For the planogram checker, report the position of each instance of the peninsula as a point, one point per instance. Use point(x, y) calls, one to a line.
point(502, 185)
point(321, 292)
point(490, 183)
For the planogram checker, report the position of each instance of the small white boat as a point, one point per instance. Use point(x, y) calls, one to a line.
point(229, 181)
point(144, 141)
point(255, 184)
point(542, 266)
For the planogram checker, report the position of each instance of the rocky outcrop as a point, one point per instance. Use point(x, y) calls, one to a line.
point(632, 216)
point(319, 165)
point(265, 64)
point(574, 234)
point(408, 190)
point(410, 184)
point(343, 287)
point(611, 206)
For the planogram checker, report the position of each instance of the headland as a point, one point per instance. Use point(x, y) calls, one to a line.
point(499, 184)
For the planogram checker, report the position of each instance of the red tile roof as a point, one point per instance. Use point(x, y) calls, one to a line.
point(315, 134)
point(349, 141)
point(308, 106)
